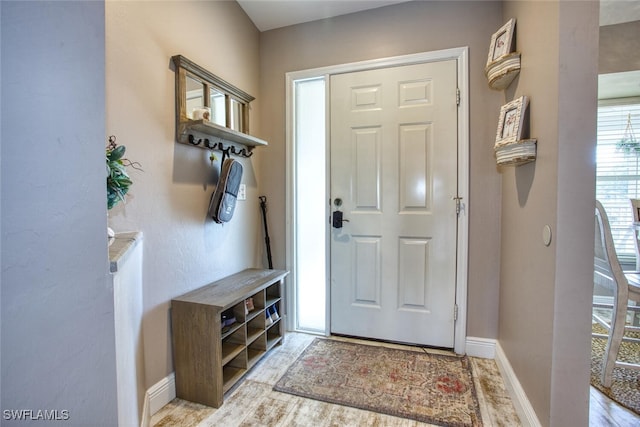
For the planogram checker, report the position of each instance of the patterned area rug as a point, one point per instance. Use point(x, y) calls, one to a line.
point(625, 388)
point(431, 388)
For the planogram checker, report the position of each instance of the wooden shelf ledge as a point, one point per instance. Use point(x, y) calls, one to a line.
point(202, 129)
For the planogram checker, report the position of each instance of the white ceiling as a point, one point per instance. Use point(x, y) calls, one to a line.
point(270, 14)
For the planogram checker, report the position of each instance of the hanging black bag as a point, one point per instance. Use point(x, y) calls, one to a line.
point(223, 199)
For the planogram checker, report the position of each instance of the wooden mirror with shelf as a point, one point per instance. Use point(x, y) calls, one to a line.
point(208, 106)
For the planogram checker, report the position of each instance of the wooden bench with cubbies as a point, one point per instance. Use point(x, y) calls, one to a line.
point(223, 329)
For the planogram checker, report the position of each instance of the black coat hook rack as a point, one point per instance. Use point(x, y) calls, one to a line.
point(226, 149)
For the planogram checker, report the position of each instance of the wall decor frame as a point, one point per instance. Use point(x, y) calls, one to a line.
point(502, 42)
point(511, 121)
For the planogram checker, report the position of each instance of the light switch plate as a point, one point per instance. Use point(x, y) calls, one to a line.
point(242, 192)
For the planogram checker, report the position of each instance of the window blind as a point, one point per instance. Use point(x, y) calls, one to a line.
point(618, 170)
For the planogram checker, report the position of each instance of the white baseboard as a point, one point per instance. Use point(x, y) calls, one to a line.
point(523, 407)
point(158, 395)
point(484, 348)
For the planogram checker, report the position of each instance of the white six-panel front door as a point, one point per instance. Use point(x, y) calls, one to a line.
point(394, 177)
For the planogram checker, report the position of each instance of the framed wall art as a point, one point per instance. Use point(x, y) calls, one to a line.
point(511, 121)
point(502, 42)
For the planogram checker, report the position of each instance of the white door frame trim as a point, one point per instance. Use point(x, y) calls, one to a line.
point(461, 55)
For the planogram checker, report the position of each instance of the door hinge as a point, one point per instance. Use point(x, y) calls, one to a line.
point(458, 96)
point(459, 205)
point(455, 312)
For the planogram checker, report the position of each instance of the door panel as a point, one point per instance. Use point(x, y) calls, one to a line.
point(367, 167)
point(413, 278)
point(367, 270)
point(394, 168)
point(414, 169)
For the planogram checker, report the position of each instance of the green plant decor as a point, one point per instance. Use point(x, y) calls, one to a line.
point(118, 180)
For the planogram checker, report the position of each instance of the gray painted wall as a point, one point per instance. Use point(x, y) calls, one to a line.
point(545, 292)
point(57, 304)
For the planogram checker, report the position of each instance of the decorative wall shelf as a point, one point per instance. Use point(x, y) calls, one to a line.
point(516, 153)
point(512, 146)
point(501, 72)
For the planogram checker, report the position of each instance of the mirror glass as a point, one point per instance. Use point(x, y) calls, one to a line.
point(195, 95)
point(218, 114)
point(207, 99)
point(236, 116)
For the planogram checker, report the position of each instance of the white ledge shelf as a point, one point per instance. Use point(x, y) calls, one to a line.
point(516, 153)
point(207, 128)
point(501, 72)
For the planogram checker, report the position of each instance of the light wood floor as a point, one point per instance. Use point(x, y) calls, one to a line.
point(604, 412)
point(253, 402)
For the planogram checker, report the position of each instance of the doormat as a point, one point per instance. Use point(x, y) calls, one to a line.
point(430, 388)
point(625, 387)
